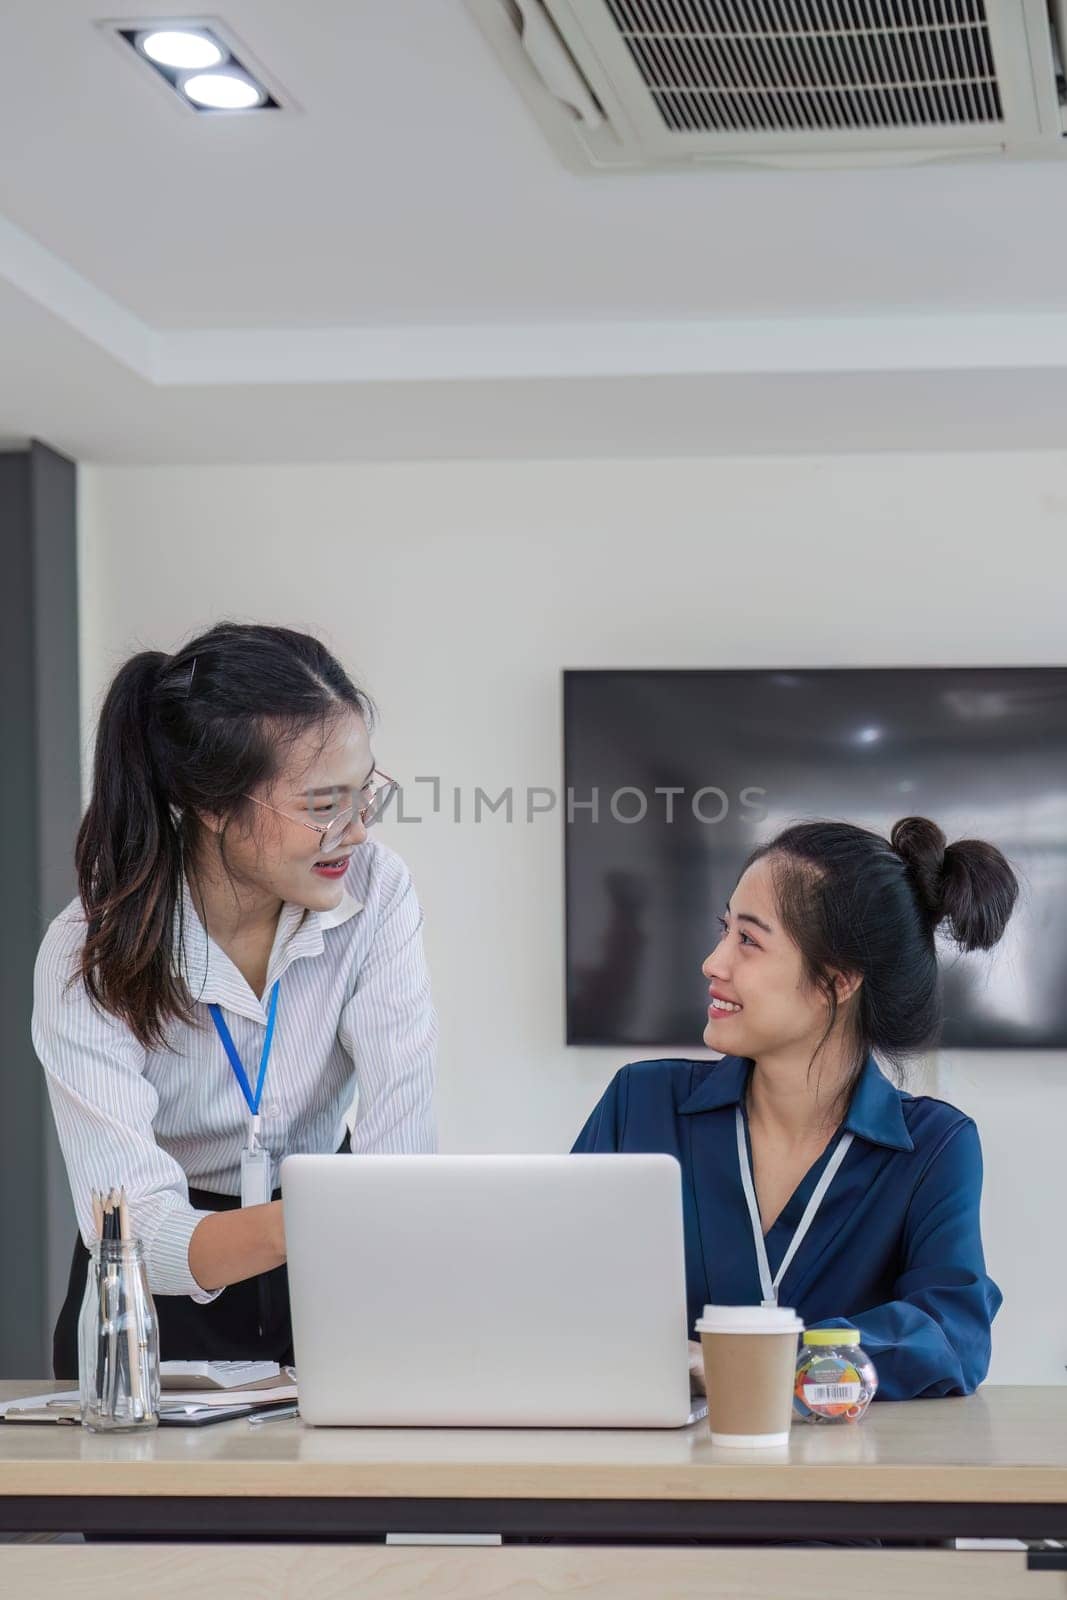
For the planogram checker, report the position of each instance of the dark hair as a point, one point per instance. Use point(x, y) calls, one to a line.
point(857, 903)
point(194, 731)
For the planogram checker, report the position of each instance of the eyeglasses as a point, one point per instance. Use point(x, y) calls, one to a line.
point(379, 789)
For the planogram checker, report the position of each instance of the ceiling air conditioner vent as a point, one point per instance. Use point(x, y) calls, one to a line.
point(729, 68)
point(632, 84)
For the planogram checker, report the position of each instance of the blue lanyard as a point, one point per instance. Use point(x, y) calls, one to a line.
point(239, 1072)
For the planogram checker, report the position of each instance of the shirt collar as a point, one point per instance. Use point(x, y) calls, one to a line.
point(875, 1112)
point(723, 1086)
point(214, 979)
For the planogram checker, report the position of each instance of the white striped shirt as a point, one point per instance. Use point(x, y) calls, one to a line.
point(354, 1014)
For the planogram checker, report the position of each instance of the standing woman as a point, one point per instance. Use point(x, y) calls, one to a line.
point(239, 962)
point(807, 1177)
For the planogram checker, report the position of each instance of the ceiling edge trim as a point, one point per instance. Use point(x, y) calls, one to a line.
point(473, 352)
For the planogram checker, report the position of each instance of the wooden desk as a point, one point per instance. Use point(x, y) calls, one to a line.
point(988, 1466)
point(994, 1465)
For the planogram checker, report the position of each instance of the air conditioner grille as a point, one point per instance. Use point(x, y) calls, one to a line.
point(744, 66)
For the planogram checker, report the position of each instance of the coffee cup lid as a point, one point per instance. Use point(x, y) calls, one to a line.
point(749, 1319)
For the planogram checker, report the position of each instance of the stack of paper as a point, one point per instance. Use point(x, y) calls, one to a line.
point(221, 1374)
point(193, 1391)
point(212, 1399)
point(186, 1404)
point(55, 1406)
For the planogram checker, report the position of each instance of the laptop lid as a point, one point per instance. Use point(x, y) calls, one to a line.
point(540, 1291)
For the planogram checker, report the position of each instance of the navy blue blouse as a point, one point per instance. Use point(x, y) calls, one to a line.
point(895, 1248)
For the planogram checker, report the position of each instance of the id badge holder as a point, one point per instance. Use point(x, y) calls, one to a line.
point(255, 1177)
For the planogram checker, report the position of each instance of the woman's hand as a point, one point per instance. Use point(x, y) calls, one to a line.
point(696, 1368)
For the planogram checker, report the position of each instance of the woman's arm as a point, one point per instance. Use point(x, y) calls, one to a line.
point(104, 1108)
point(228, 1246)
point(933, 1337)
point(389, 1028)
point(603, 1132)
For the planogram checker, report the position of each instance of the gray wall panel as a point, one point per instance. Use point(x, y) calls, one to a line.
point(40, 804)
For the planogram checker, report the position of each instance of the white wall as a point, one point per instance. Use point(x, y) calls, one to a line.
point(457, 592)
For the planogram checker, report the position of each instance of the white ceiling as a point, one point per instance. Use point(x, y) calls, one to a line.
point(403, 268)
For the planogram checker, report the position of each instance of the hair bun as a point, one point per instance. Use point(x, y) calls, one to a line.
point(969, 883)
point(921, 844)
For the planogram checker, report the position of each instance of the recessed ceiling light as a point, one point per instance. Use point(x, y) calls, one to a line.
point(186, 50)
point(201, 61)
point(222, 91)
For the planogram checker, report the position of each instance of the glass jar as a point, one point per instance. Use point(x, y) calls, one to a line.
point(836, 1379)
point(118, 1341)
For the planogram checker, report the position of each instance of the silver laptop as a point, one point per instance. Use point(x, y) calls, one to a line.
point(488, 1291)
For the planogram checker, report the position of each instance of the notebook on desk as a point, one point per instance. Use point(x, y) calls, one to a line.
point(488, 1291)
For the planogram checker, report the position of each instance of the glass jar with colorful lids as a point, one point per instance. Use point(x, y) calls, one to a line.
point(836, 1380)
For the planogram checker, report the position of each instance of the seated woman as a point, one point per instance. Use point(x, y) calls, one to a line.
point(807, 1177)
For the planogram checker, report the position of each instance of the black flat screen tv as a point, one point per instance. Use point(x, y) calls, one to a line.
point(672, 777)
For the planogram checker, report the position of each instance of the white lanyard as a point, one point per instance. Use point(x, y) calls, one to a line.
point(768, 1284)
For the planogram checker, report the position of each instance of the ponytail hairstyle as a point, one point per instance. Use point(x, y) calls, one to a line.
point(196, 731)
point(858, 904)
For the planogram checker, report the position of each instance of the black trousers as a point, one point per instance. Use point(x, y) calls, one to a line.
point(248, 1321)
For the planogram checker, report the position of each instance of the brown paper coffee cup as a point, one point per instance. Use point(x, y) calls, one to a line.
point(750, 1359)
